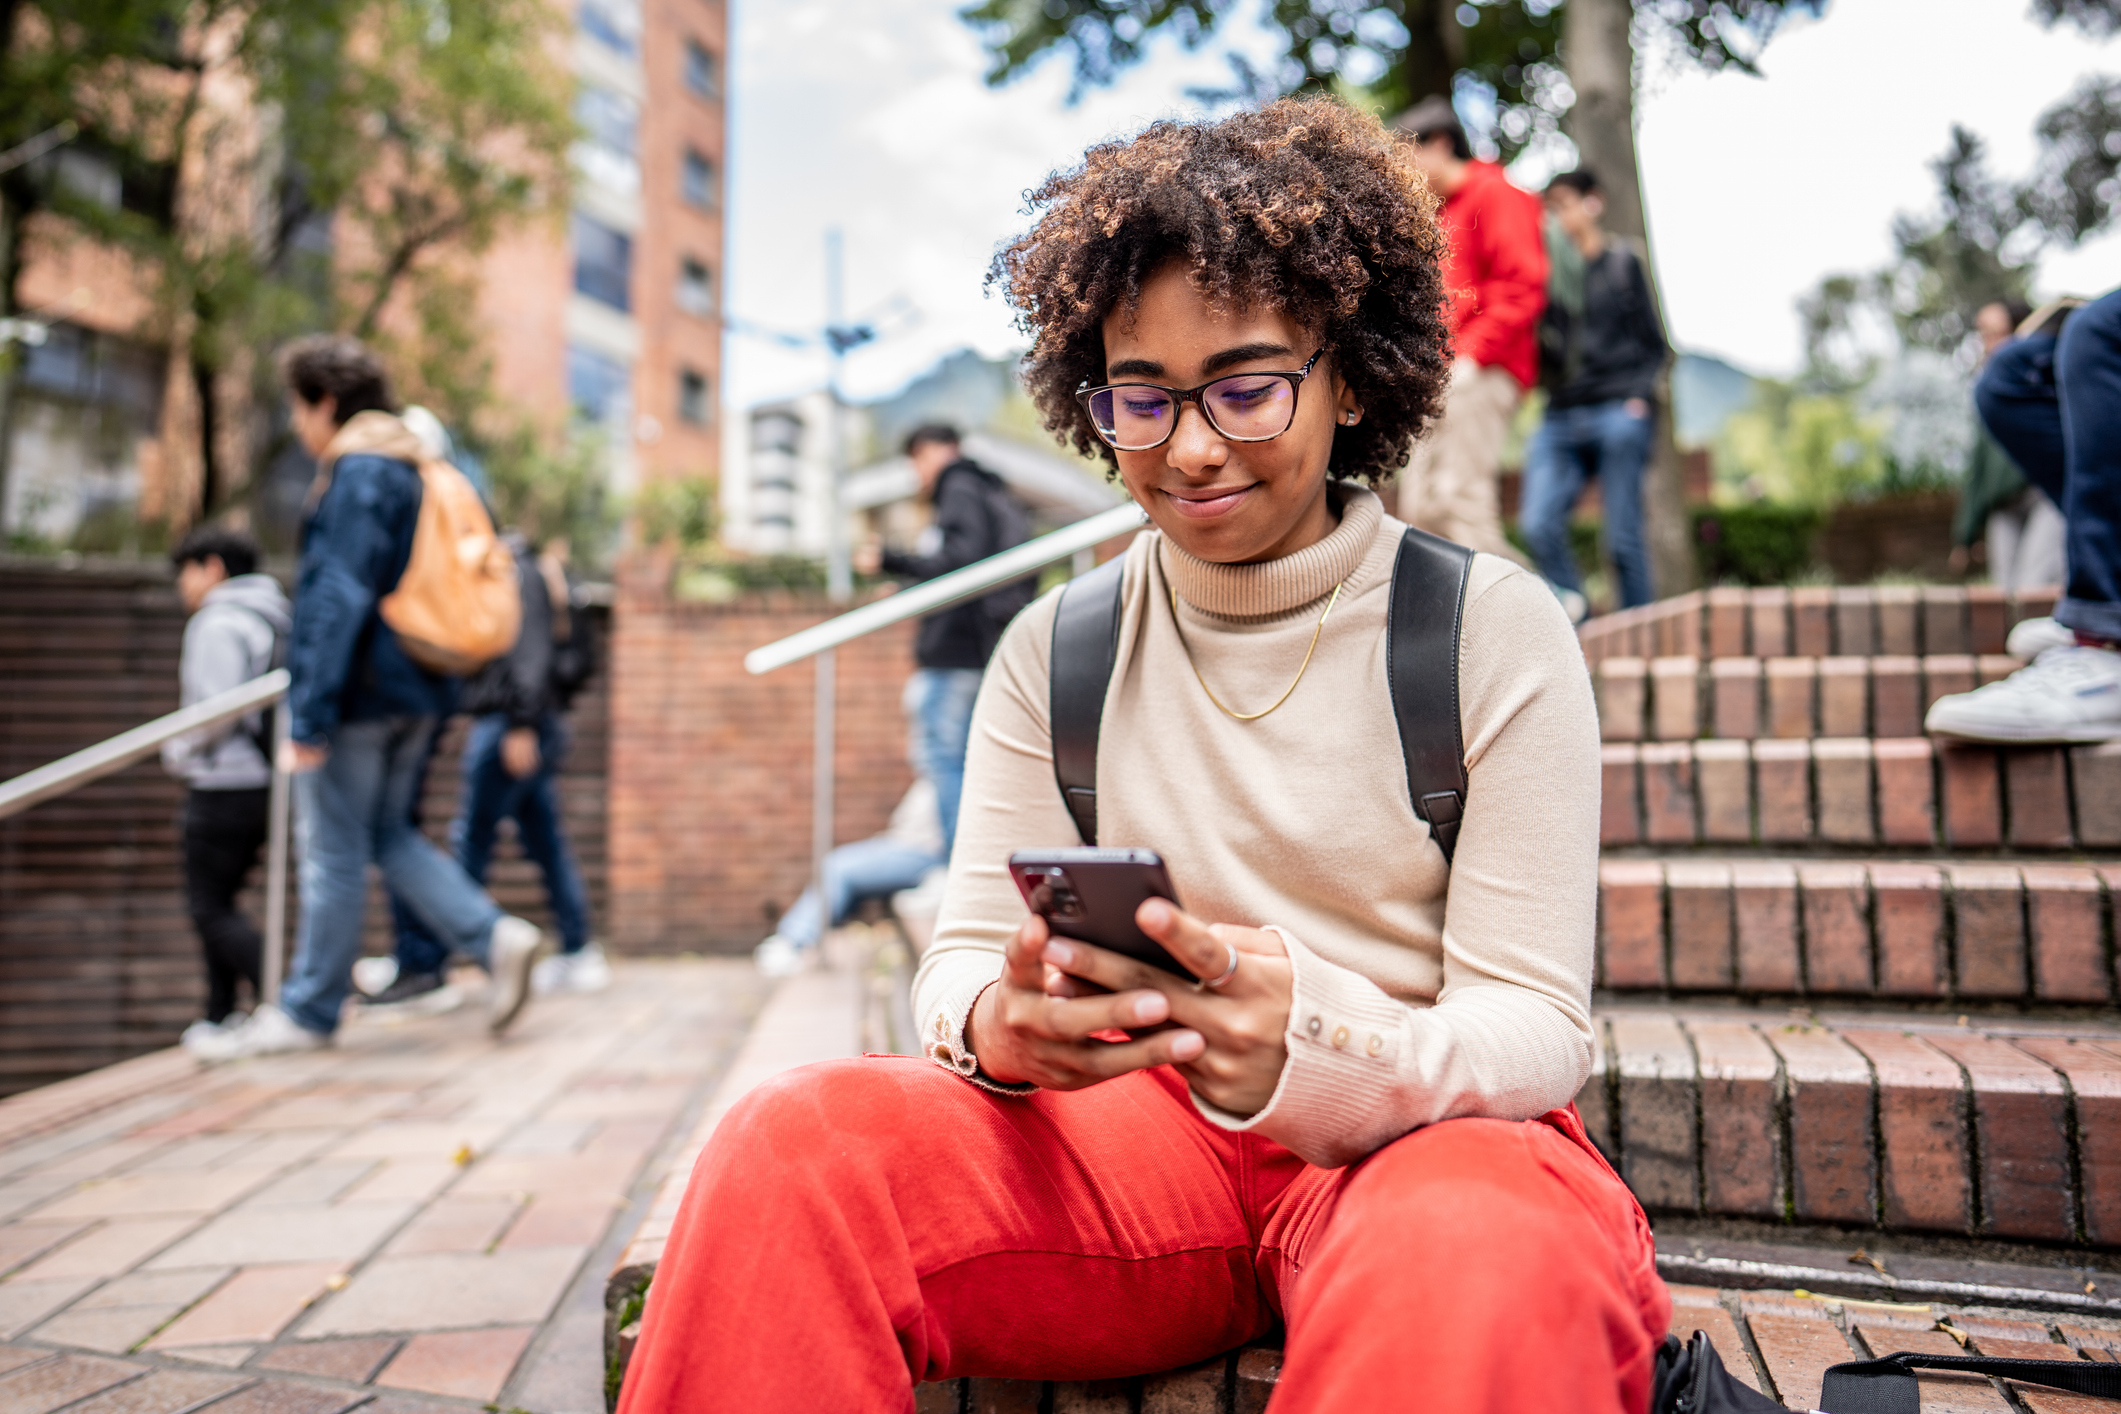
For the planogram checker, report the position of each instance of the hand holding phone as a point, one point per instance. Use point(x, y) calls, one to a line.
point(1067, 1012)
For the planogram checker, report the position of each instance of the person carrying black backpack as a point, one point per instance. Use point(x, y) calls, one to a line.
point(511, 765)
point(975, 516)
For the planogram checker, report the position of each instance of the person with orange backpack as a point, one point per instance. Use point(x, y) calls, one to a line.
point(402, 588)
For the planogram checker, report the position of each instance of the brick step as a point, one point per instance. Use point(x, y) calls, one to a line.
point(1901, 792)
point(1986, 931)
point(1879, 1122)
point(1815, 622)
point(1779, 1342)
point(1680, 699)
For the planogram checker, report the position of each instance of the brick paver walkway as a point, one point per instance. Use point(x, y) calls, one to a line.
point(417, 1220)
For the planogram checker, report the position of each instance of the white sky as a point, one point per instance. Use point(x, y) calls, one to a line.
point(873, 116)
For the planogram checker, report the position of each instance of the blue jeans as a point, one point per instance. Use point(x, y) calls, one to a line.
point(1573, 445)
point(872, 868)
point(2055, 405)
point(490, 796)
point(939, 700)
point(353, 811)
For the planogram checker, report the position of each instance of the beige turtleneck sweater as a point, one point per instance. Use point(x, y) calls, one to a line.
point(1412, 1004)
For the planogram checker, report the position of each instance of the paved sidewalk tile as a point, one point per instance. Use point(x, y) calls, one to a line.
point(162, 1392)
point(341, 1232)
point(21, 1243)
point(554, 1223)
point(252, 1305)
point(467, 1364)
point(456, 1225)
point(450, 1290)
point(114, 1247)
point(354, 1361)
point(35, 1388)
point(118, 1315)
point(414, 1207)
point(24, 1303)
point(150, 1194)
point(286, 1397)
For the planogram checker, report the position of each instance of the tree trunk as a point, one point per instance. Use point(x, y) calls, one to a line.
point(1434, 48)
point(1598, 50)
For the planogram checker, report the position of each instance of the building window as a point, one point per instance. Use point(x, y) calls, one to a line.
point(599, 388)
point(698, 180)
point(609, 150)
point(695, 289)
point(603, 261)
point(692, 398)
point(616, 24)
point(702, 75)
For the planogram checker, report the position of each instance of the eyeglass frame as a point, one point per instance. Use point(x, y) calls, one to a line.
point(1181, 396)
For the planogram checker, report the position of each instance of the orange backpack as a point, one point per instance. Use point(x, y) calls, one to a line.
point(457, 607)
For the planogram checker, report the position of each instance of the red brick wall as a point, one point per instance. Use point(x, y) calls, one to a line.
point(710, 766)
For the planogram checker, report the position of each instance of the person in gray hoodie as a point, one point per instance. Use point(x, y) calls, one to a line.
point(237, 616)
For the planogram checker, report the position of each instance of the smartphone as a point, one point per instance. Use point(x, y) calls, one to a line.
point(1090, 894)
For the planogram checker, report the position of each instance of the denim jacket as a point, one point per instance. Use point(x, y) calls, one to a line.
point(346, 663)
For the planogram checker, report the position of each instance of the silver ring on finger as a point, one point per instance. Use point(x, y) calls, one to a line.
point(1214, 984)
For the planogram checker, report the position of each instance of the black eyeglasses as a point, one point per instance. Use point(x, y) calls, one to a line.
point(1245, 407)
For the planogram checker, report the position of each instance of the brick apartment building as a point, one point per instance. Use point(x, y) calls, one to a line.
point(621, 322)
point(609, 323)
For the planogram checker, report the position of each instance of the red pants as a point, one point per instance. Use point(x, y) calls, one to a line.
point(856, 1226)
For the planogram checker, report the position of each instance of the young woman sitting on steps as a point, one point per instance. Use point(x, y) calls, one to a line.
point(1364, 1131)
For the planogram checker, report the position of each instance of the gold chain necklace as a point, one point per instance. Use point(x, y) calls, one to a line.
point(1251, 716)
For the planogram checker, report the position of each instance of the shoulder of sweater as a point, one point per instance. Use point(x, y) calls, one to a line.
point(1499, 591)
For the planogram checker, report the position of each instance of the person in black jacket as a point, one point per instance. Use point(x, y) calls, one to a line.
point(1602, 348)
point(975, 517)
point(511, 767)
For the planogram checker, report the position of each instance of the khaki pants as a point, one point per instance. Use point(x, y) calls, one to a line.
point(1448, 487)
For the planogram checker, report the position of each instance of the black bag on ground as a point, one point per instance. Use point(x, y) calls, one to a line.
point(1888, 1385)
point(1690, 1379)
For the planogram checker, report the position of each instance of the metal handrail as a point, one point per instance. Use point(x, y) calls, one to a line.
point(94, 762)
point(115, 754)
point(944, 590)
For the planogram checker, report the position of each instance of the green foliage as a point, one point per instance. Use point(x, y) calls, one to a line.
point(414, 129)
point(547, 494)
point(1760, 544)
point(1802, 449)
point(1385, 54)
point(683, 516)
point(681, 513)
point(1982, 243)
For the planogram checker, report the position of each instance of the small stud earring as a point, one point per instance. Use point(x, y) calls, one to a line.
point(1350, 419)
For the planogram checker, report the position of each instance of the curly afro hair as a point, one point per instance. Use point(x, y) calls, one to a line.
point(1305, 205)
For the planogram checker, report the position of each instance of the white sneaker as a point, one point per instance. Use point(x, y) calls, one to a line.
point(2029, 638)
point(777, 957)
point(2067, 694)
point(201, 1033)
point(372, 976)
point(511, 953)
point(269, 1032)
point(585, 971)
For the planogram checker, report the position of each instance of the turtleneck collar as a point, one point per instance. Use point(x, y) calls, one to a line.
point(1280, 586)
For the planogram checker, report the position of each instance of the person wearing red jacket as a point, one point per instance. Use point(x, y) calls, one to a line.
point(1496, 278)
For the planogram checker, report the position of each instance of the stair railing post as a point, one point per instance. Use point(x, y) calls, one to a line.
point(278, 813)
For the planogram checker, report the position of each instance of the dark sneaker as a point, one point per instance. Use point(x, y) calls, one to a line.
point(415, 994)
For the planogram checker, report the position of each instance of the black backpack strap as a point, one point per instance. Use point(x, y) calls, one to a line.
point(1085, 647)
point(1421, 661)
point(1888, 1386)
